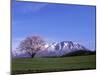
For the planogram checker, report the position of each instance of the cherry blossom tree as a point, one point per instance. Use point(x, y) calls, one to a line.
point(32, 45)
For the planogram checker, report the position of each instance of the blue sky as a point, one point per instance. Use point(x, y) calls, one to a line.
point(54, 22)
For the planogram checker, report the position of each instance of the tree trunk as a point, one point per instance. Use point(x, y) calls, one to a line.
point(32, 56)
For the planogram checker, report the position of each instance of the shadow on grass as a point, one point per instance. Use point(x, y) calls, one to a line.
point(45, 71)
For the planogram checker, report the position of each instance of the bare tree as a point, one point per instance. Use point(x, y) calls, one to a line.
point(32, 45)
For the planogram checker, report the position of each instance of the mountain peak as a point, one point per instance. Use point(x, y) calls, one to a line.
point(64, 45)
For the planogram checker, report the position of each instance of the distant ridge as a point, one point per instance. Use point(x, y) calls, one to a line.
point(60, 49)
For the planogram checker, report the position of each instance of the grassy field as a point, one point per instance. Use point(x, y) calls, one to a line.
point(37, 65)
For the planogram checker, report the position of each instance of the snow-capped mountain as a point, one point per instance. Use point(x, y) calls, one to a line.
point(58, 49)
point(64, 45)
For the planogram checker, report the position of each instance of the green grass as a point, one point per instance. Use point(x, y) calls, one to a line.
point(29, 65)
